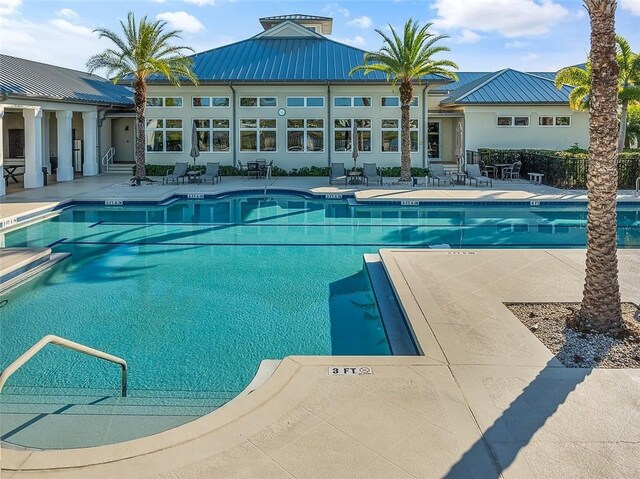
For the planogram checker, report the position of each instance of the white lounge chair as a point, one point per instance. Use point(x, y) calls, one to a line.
point(473, 173)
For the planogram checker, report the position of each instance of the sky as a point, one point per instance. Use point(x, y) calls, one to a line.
point(484, 35)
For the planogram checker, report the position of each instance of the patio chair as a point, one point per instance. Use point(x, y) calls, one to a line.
point(338, 172)
point(212, 172)
point(437, 173)
point(370, 172)
point(488, 170)
point(253, 169)
point(474, 173)
point(179, 171)
point(242, 168)
point(512, 172)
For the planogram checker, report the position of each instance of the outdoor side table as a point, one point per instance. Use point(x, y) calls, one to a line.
point(536, 178)
point(461, 179)
point(193, 176)
point(355, 177)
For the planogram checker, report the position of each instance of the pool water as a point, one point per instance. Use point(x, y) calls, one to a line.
point(195, 294)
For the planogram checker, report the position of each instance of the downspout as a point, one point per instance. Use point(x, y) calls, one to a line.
point(329, 136)
point(425, 127)
point(233, 123)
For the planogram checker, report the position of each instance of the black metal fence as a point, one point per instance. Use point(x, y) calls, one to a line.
point(561, 172)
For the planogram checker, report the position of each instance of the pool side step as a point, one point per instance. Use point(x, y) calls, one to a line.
point(18, 265)
point(394, 322)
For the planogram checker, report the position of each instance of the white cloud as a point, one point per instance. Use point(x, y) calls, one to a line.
point(632, 5)
point(510, 18)
point(200, 3)
point(181, 21)
point(69, 27)
point(334, 9)
point(7, 7)
point(531, 56)
point(67, 12)
point(158, 1)
point(468, 36)
point(356, 41)
point(361, 22)
point(516, 44)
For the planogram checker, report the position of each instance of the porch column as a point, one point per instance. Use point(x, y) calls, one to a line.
point(65, 133)
point(32, 147)
point(90, 137)
point(2, 188)
point(46, 142)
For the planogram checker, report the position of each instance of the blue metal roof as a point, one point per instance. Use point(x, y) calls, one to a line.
point(279, 59)
point(509, 87)
point(464, 78)
point(28, 79)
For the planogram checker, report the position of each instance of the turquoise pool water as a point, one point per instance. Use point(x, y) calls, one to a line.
point(195, 294)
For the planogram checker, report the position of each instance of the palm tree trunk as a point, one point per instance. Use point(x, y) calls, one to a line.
point(623, 125)
point(600, 309)
point(140, 101)
point(406, 95)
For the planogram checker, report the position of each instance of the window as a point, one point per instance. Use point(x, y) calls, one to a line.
point(254, 101)
point(358, 101)
point(394, 101)
point(305, 135)
point(258, 135)
point(390, 133)
point(164, 101)
point(519, 121)
point(308, 101)
point(164, 135)
point(343, 129)
point(554, 121)
point(213, 135)
point(433, 139)
point(210, 101)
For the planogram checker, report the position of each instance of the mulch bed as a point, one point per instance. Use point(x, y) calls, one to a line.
point(574, 349)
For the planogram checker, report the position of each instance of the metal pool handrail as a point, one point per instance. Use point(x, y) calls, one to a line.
point(65, 343)
point(638, 186)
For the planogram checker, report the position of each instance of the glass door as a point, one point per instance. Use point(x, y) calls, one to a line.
point(433, 140)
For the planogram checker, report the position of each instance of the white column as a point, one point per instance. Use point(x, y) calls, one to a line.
point(2, 186)
point(65, 139)
point(90, 128)
point(32, 147)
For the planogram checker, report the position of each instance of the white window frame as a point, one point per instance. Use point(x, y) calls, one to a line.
point(513, 121)
point(350, 129)
point(399, 131)
point(351, 99)
point(258, 98)
point(258, 129)
point(212, 129)
point(554, 121)
point(305, 129)
point(305, 101)
point(415, 99)
point(211, 101)
point(164, 131)
point(164, 102)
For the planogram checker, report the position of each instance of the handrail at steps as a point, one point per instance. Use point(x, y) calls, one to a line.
point(108, 157)
point(65, 343)
point(638, 186)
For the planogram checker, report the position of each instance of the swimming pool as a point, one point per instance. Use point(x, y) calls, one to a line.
point(196, 293)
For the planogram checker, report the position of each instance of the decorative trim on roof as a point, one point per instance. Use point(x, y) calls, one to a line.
point(288, 29)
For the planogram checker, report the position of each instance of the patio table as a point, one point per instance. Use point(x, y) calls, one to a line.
point(355, 177)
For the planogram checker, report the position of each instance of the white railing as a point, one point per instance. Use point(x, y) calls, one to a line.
point(638, 186)
point(107, 159)
point(65, 343)
point(267, 177)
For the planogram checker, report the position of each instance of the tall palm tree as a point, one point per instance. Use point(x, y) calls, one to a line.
point(405, 60)
point(629, 83)
point(145, 49)
point(600, 309)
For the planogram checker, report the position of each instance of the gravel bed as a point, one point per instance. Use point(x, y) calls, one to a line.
point(548, 321)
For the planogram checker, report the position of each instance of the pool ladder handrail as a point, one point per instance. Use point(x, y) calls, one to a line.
point(65, 343)
point(267, 177)
point(638, 186)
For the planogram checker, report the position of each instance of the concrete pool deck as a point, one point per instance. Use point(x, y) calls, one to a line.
point(486, 400)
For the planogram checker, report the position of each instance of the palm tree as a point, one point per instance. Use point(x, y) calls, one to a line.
point(144, 50)
point(404, 60)
point(633, 126)
point(600, 309)
point(629, 83)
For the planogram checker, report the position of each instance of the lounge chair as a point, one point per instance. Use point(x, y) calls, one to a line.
point(212, 172)
point(512, 172)
point(179, 171)
point(473, 173)
point(370, 173)
point(338, 172)
point(437, 173)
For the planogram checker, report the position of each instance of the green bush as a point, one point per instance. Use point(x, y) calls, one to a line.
point(310, 171)
point(394, 171)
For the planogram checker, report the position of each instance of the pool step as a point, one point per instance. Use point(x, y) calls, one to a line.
point(21, 264)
